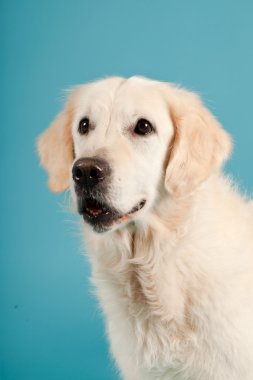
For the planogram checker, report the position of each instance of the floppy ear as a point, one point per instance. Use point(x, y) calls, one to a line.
point(55, 149)
point(199, 147)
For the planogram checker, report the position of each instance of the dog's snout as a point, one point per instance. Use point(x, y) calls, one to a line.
point(88, 172)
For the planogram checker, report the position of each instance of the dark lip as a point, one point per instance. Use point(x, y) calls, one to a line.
point(102, 221)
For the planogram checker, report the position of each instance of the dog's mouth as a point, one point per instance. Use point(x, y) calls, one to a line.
point(101, 216)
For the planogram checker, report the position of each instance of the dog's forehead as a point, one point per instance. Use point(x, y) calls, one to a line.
point(139, 93)
point(120, 94)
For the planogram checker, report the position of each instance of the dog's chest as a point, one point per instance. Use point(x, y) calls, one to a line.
point(141, 314)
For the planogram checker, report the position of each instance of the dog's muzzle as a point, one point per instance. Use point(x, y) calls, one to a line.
point(92, 178)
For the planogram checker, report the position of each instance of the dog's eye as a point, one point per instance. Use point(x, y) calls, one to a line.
point(143, 127)
point(84, 124)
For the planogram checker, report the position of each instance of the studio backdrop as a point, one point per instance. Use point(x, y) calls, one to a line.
point(51, 326)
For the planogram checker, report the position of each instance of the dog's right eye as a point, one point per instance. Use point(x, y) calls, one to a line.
point(143, 127)
point(84, 124)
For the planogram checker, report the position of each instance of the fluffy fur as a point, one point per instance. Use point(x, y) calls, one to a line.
point(175, 280)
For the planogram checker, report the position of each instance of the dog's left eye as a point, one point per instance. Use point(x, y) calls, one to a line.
point(143, 127)
point(84, 125)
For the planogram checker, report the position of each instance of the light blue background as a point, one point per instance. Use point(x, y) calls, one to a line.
point(51, 327)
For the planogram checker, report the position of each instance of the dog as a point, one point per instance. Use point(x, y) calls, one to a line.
point(169, 237)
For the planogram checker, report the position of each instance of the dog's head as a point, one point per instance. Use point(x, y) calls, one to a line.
point(121, 143)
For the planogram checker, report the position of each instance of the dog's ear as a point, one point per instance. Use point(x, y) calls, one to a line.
point(55, 147)
point(199, 146)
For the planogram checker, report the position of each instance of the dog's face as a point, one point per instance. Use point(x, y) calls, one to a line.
point(120, 144)
point(121, 131)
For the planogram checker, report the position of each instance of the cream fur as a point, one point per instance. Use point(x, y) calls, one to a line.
point(175, 281)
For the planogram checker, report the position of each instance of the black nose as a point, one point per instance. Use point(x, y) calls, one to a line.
point(88, 172)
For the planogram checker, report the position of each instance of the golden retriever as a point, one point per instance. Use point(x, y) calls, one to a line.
point(170, 240)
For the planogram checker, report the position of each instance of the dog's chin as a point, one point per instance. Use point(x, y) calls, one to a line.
point(103, 217)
